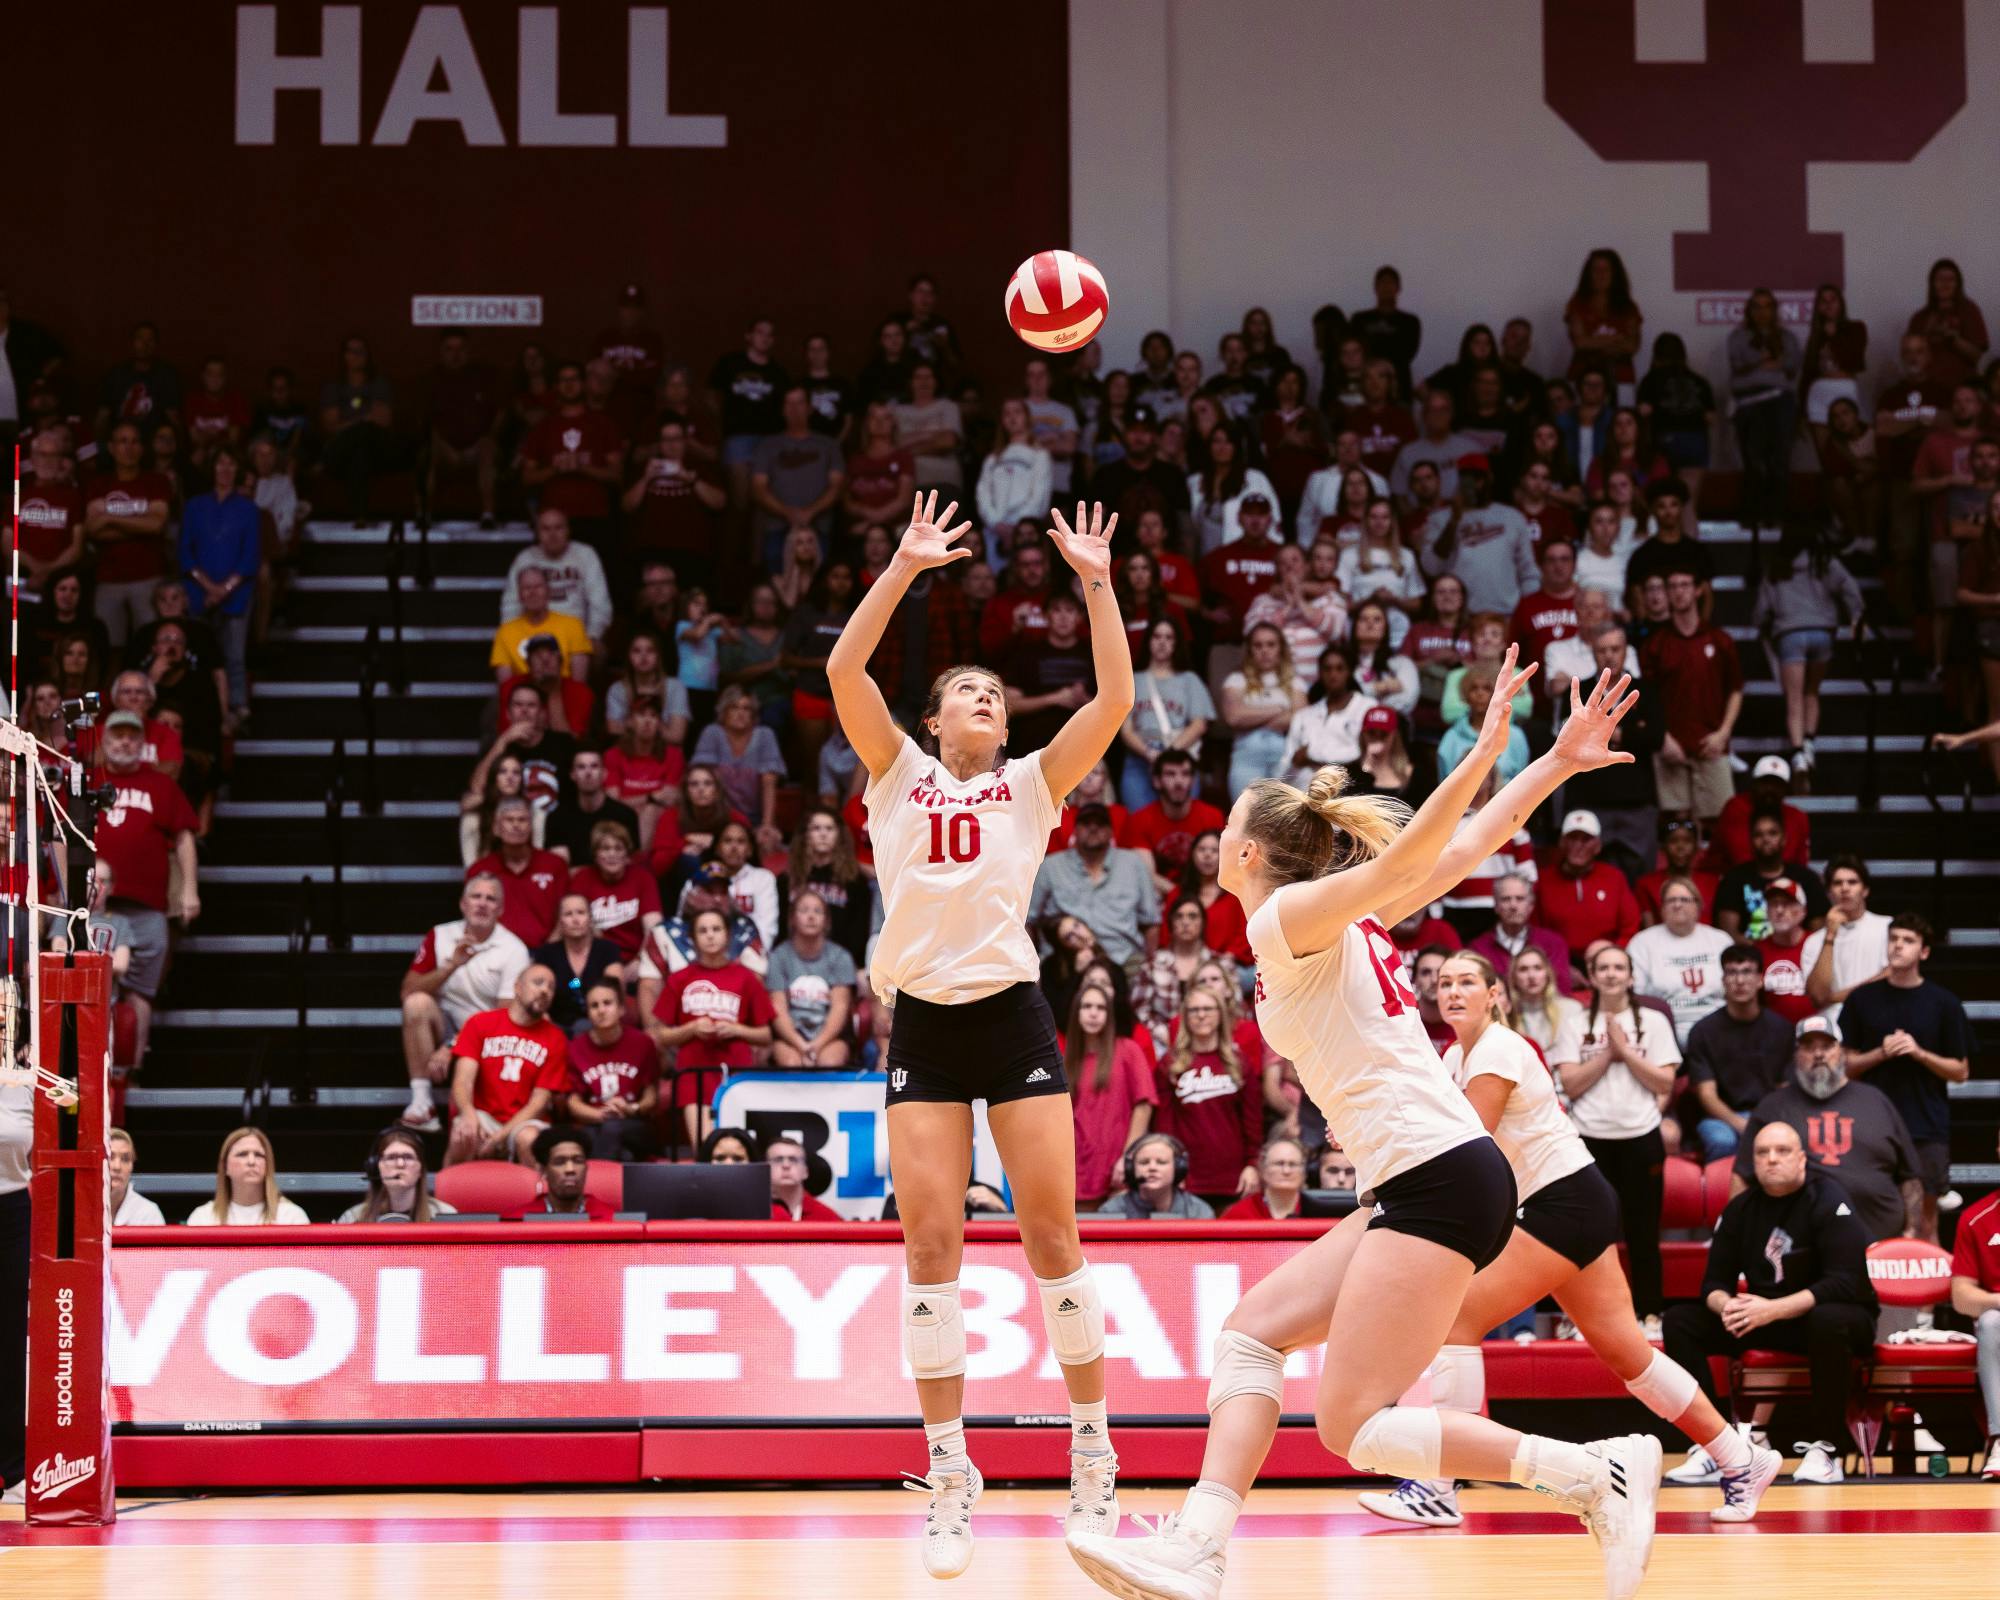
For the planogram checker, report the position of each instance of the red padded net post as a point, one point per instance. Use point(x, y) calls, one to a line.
point(69, 1411)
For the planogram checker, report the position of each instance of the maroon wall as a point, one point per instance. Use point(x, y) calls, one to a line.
point(864, 142)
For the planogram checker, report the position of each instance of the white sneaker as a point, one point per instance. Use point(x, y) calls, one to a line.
point(1093, 1495)
point(1620, 1519)
point(1173, 1562)
point(948, 1523)
point(1699, 1467)
point(1432, 1503)
point(16, 1494)
point(1820, 1463)
point(1990, 1473)
point(1654, 1330)
point(1743, 1487)
point(421, 1116)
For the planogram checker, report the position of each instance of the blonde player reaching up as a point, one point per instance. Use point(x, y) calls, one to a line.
point(959, 835)
point(1323, 877)
point(1565, 1243)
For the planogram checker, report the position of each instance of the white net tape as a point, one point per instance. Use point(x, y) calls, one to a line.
point(26, 794)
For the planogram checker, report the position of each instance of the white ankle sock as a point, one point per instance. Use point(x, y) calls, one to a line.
point(944, 1444)
point(1728, 1448)
point(1213, 1508)
point(1089, 1433)
point(1556, 1467)
point(420, 1092)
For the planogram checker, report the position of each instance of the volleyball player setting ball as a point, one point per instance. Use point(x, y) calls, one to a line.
point(959, 834)
point(1323, 876)
point(1565, 1243)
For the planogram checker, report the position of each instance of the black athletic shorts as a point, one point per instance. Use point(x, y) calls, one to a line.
point(1463, 1200)
point(1577, 1216)
point(997, 1049)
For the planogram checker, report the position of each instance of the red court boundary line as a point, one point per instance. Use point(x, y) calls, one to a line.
point(138, 1530)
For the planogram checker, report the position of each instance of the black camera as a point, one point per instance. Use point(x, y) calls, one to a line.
point(81, 712)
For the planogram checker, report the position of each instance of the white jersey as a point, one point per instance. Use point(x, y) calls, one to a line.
point(957, 864)
point(1345, 1017)
point(1537, 1136)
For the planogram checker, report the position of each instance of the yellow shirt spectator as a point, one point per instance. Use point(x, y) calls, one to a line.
point(510, 642)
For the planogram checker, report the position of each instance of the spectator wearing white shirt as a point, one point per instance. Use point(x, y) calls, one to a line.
point(129, 1208)
point(1217, 495)
point(462, 968)
point(1487, 546)
point(1575, 659)
point(1328, 732)
point(1852, 948)
point(272, 487)
point(246, 1187)
point(577, 587)
point(1605, 551)
point(1381, 567)
point(1053, 426)
point(1679, 959)
point(1015, 482)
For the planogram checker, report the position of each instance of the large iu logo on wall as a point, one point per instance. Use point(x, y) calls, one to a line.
point(1755, 112)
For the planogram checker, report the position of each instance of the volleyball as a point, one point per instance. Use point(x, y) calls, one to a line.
point(1057, 301)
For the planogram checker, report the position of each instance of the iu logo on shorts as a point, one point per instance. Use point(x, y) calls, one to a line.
point(898, 1076)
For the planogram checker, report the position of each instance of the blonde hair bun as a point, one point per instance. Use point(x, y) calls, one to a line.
point(1327, 786)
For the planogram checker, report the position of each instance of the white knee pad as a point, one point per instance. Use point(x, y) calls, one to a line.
point(1074, 1316)
point(1665, 1388)
point(1244, 1365)
point(933, 1330)
point(1399, 1442)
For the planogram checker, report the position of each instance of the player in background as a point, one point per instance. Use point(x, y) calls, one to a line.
point(1323, 876)
point(958, 836)
point(1565, 1243)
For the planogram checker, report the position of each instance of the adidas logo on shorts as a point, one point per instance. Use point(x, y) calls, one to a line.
point(1067, 1305)
point(1039, 1075)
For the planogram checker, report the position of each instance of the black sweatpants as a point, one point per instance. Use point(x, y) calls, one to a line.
point(1828, 1336)
point(13, 1336)
point(1635, 1168)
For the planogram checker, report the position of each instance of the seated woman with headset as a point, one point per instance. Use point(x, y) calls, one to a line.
point(1156, 1169)
point(397, 1188)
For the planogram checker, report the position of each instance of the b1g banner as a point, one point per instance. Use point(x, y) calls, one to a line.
point(223, 1337)
point(842, 1121)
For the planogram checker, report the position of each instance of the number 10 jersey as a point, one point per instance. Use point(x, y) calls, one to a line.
point(956, 862)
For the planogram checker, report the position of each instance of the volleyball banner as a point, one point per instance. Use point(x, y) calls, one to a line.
point(234, 1338)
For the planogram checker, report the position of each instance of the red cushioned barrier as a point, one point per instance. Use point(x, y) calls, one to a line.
point(1945, 1357)
point(314, 1460)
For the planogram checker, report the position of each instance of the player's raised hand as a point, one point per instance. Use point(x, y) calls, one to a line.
point(1500, 712)
point(930, 539)
point(1087, 546)
point(1585, 741)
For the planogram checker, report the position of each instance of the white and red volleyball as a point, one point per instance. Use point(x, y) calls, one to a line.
point(1056, 301)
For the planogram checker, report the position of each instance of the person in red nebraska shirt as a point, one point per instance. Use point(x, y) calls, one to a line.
point(624, 899)
point(1585, 899)
point(1549, 613)
point(1784, 973)
point(1680, 841)
point(1016, 611)
point(125, 521)
point(506, 1066)
point(1694, 668)
point(1232, 575)
point(711, 1014)
point(1167, 828)
point(215, 413)
point(789, 1200)
point(1729, 839)
point(51, 517)
point(614, 1079)
point(562, 1158)
point(575, 456)
point(533, 881)
point(1281, 1168)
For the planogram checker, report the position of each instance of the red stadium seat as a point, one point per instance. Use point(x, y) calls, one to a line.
point(1715, 1187)
point(606, 1180)
point(1933, 1378)
point(482, 1186)
point(1681, 1205)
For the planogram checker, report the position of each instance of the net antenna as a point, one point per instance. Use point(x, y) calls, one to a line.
point(28, 790)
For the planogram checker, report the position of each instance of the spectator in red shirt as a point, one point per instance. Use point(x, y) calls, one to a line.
point(1167, 828)
point(673, 505)
point(51, 514)
point(789, 1200)
point(125, 521)
point(1693, 667)
point(1729, 838)
point(1281, 1172)
point(569, 701)
point(1950, 324)
point(1016, 612)
point(1234, 574)
point(1784, 971)
point(1680, 840)
point(1381, 424)
point(464, 422)
point(1549, 613)
point(711, 1015)
point(624, 899)
point(1547, 517)
point(1585, 899)
point(1975, 1295)
point(215, 413)
point(635, 352)
point(880, 475)
point(575, 457)
point(562, 1157)
point(506, 1067)
point(532, 881)
point(1225, 930)
point(1212, 1100)
point(614, 1079)
point(160, 749)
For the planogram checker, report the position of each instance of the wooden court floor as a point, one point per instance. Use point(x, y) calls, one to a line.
point(1925, 1541)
